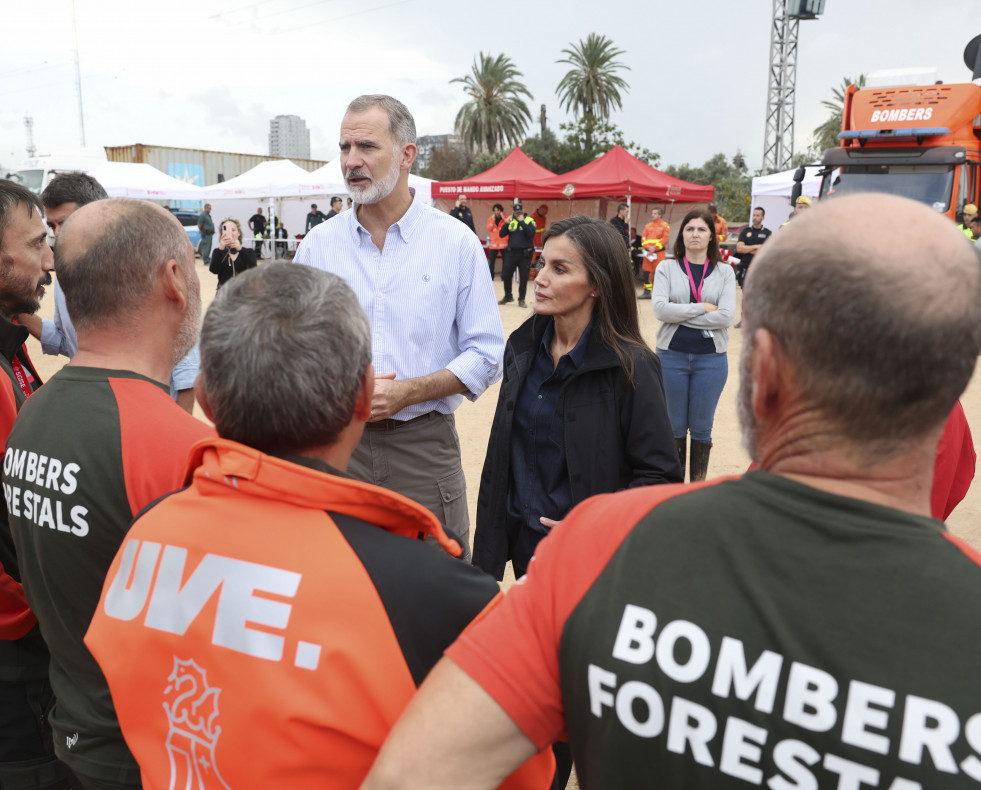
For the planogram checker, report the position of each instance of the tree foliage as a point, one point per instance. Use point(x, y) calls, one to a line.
point(591, 88)
point(584, 140)
point(448, 162)
point(826, 135)
point(731, 179)
point(495, 115)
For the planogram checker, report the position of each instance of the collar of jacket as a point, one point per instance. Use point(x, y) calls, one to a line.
point(528, 336)
point(12, 336)
point(218, 466)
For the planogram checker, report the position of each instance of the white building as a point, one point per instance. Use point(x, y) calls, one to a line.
point(289, 136)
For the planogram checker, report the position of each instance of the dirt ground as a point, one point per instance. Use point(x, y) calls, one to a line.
point(474, 419)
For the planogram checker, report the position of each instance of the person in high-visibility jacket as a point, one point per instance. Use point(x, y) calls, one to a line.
point(654, 240)
point(969, 212)
point(495, 244)
point(520, 233)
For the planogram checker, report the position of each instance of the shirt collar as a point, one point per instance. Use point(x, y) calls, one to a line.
point(578, 353)
point(12, 336)
point(404, 225)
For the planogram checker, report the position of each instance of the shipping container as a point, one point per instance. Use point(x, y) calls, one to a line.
point(196, 166)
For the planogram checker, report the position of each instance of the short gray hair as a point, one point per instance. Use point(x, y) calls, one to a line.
point(107, 276)
point(400, 122)
point(283, 350)
point(882, 347)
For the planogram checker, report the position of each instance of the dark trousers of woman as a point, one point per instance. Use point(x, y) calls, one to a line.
point(519, 259)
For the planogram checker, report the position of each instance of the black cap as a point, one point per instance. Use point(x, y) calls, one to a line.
point(518, 207)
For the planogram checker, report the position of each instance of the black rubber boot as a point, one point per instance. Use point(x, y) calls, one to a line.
point(699, 459)
point(680, 444)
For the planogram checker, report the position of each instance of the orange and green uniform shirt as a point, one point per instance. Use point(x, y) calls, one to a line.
point(655, 237)
point(283, 615)
point(88, 451)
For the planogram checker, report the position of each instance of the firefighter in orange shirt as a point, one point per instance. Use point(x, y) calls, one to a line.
point(495, 244)
point(654, 241)
point(721, 226)
point(539, 216)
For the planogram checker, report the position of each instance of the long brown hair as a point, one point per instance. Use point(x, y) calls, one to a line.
point(607, 259)
point(713, 248)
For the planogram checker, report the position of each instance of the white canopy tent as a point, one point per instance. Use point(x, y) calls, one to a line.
point(130, 179)
point(772, 194)
point(272, 179)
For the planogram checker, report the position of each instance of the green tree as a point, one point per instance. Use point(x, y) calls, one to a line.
point(826, 135)
point(584, 140)
point(591, 88)
point(448, 162)
point(486, 160)
point(495, 113)
point(731, 179)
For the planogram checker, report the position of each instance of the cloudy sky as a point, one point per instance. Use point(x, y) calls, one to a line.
point(211, 73)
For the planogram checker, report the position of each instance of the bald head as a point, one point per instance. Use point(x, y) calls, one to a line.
point(876, 302)
point(108, 255)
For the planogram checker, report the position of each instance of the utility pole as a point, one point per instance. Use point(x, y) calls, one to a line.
point(542, 119)
point(29, 128)
point(778, 141)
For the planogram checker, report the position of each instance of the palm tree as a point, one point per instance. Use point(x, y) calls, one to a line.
point(826, 135)
point(592, 86)
point(495, 113)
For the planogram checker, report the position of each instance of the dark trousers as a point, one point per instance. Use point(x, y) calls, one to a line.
point(258, 250)
point(519, 259)
point(492, 259)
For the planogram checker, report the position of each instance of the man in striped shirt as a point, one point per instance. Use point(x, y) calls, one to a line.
point(421, 277)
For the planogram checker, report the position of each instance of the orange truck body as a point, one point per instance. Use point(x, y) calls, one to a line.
point(921, 141)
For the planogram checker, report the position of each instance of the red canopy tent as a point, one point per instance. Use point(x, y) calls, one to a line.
point(513, 175)
point(619, 174)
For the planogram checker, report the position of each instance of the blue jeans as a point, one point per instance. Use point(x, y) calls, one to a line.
point(693, 384)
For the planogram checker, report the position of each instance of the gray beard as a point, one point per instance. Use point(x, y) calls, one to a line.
point(378, 190)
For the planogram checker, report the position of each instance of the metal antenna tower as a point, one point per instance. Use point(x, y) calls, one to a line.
point(778, 141)
point(78, 78)
point(29, 128)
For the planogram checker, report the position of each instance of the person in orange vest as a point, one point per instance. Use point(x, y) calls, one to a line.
point(721, 226)
point(267, 653)
point(539, 216)
point(654, 241)
point(495, 244)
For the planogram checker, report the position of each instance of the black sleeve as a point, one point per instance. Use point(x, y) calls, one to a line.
point(429, 597)
point(248, 260)
point(648, 441)
point(503, 232)
point(218, 261)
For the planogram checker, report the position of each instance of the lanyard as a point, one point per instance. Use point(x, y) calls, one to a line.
point(696, 290)
point(23, 376)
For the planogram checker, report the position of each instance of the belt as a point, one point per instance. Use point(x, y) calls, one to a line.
point(394, 425)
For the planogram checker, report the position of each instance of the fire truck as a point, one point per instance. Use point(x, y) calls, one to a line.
point(921, 141)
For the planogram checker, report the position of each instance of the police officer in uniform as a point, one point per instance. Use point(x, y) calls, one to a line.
point(520, 233)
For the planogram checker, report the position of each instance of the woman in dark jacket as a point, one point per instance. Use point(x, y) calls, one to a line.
point(581, 409)
point(230, 258)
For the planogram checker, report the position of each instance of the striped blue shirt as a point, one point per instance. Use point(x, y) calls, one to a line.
point(428, 296)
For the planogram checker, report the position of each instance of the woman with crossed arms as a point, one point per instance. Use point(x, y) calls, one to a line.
point(694, 298)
